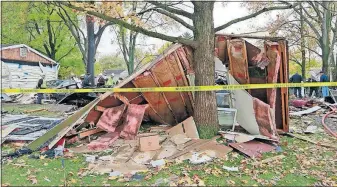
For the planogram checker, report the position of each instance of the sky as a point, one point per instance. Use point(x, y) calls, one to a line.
point(222, 14)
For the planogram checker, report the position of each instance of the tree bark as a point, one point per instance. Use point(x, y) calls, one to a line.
point(91, 48)
point(325, 39)
point(205, 112)
point(302, 45)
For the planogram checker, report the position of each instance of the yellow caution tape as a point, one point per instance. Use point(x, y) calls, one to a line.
point(174, 89)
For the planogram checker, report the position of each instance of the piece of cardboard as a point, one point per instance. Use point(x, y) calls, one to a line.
point(187, 127)
point(149, 143)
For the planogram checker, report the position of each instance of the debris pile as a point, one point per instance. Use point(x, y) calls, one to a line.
point(112, 122)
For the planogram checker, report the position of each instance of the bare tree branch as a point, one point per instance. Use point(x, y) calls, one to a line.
point(176, 18)
point(309, 23)
point(253, 15)
point(172, 10)
point(136, 28)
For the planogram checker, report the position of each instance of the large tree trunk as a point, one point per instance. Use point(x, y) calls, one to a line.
point(205, 113)
point(325, 42)
point(91, 48)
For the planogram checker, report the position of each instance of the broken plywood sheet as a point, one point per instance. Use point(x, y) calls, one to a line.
point(252, 148)
point(163, 74)
point(155, 99)
point(187, 127)
point(308, 111)
point(243, 102)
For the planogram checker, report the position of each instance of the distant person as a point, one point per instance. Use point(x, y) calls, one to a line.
point(111, 80)
point(325, 89)
point(297, 78)
point(101, 80)
point(86, 80)
point(313, 90)
point(41, 84)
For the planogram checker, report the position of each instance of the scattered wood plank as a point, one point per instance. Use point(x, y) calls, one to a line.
point(312, 141)
point(100, 108)
point(271, 159)
point(89, 132)
point(36, 110)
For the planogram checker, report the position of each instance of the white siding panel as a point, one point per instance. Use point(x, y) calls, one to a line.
point(27, 76)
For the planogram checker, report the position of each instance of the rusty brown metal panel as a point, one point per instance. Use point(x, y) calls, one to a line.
point(155, 99)
point(238, 60)
point(162, 73)
point(179, 79)
point(252, 148)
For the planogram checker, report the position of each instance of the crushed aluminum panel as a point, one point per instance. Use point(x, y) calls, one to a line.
point(155, 99)
point(252, 148)
point(238, 60)
point(179, 77)
point(162, 73)
point(243, 102)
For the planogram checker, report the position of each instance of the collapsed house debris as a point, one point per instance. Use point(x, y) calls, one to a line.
point(113, 120)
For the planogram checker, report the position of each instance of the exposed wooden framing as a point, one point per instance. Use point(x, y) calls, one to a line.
point(178, 77)
point(163, 76)
point(154, 98)
point(155, 79)
point(183, 76)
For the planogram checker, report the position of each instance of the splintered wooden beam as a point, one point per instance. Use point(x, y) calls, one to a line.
point(100, 108)
point(89, 132)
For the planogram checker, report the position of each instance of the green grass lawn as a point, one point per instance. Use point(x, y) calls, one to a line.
point(304, 164)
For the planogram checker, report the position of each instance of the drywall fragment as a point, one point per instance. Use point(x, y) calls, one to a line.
point(187, 127)
point(243, 102)
point(149, 143)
